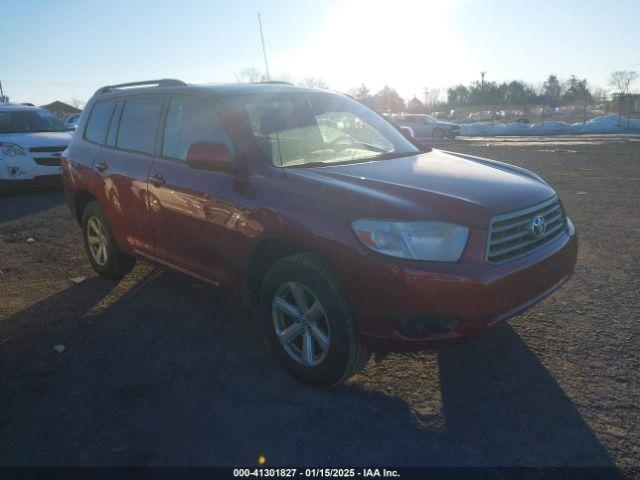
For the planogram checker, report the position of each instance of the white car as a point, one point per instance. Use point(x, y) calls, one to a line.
point(32, 140)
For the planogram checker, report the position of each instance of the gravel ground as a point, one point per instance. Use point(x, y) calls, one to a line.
point(158, 369)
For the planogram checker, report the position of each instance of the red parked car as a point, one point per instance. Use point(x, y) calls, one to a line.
point(349, 235)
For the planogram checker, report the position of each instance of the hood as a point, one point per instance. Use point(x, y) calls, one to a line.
point(37, 139)
point(434, 185)
point(448, 124)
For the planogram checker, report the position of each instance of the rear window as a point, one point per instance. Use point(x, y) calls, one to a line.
point(99, 121)
point(139, 124)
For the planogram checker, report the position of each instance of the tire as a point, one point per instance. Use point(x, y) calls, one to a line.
point(345, 354)
point(437, 133)
point(116, 264)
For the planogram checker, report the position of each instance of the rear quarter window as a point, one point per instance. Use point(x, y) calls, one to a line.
point(139, 124)
point(98, 123)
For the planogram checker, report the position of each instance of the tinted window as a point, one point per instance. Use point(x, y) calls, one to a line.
point(139, 124)
point(190, 121)
point(99, 121)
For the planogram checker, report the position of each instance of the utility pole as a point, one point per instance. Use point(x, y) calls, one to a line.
point(426, 96)
point(3, 99)
point(482, 81)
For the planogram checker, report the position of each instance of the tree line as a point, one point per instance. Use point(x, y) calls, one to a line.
point(553, 92)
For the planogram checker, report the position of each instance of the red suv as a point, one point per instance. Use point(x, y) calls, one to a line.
point(349, 235)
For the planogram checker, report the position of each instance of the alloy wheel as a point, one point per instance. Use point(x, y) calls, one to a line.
point(301, 323)
point(97, 241)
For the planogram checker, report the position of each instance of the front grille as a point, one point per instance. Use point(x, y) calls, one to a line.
point(511, 235)
point(58, 148)
point(48, 161)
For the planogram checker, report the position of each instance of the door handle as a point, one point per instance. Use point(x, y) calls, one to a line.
point(101, 166)
point(157, 179)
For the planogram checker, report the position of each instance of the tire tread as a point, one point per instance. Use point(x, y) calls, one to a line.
point(357, 355)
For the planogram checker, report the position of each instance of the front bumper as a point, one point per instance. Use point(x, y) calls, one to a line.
point(472, 298)
point(26, 168)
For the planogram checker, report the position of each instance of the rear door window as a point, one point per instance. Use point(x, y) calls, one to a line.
point(139, 124)
point(190, 121)
point(98, 123)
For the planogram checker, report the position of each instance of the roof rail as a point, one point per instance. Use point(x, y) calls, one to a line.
point(276, 82)
point(164, 82)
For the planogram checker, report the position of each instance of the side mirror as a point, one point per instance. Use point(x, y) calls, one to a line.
point(407, 132)
point(209, 156)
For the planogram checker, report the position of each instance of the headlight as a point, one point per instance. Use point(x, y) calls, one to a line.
point(11, 149)
point(436, 241)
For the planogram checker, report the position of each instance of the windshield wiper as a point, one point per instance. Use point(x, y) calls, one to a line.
point(386, 156)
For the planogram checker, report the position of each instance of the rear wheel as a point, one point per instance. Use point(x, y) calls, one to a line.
point(104, 255)
point(438, 133)
point(312, 332)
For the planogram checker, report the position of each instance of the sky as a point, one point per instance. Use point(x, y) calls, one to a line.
point(66, 49)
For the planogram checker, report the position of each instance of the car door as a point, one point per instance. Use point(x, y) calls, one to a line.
point(193, 212)
point(124, 164)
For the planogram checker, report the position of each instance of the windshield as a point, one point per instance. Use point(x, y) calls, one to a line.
point(304, 129)
point(29, 121)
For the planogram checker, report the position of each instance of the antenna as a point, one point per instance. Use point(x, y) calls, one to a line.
point(264, 49)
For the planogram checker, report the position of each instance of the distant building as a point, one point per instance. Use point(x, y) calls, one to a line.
point(61, 109)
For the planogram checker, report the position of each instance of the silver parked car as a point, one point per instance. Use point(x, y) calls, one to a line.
point(423, 125)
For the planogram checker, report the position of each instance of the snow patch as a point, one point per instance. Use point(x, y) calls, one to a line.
point(602, 124)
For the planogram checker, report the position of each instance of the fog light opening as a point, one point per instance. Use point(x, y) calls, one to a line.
point(421, 325)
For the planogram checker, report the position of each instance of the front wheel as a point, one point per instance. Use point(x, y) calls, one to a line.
point(312, 332)
point(103, 253)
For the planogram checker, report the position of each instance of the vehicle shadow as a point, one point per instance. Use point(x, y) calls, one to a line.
point(171, 373)
point(496, 394)
point(15, 204)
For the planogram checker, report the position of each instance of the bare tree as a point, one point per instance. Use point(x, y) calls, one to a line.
point(283, 77)
point(415, 105)
point(76, 102)
point(249, 75)
point(431, 97)
point(312, 82)
point(622, 80)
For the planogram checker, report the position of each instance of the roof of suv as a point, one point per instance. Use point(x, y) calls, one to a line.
point(162, 86)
